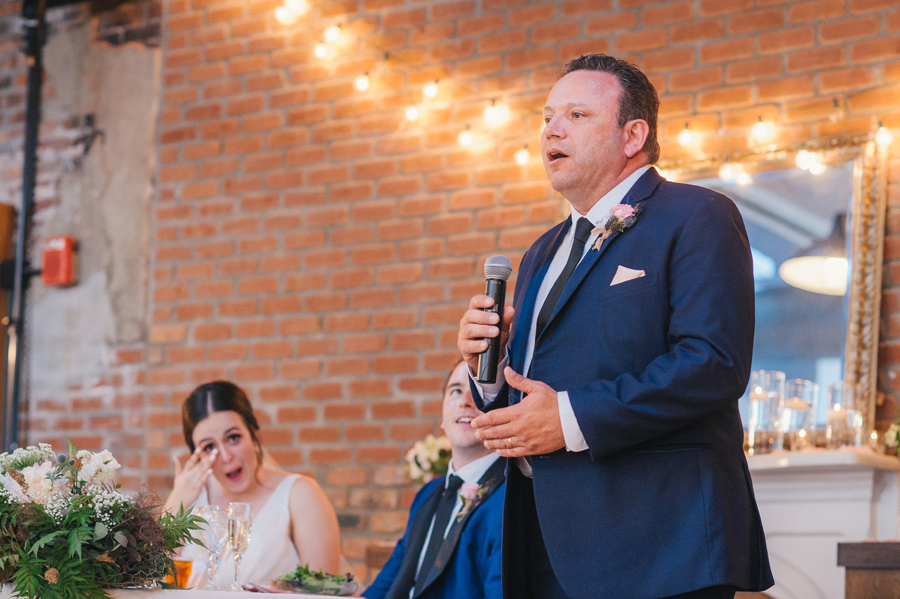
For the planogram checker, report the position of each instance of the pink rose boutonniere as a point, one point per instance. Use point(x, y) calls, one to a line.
point(471, 495)
point(621, 217)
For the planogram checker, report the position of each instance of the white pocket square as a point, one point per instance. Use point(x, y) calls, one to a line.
point(626, 274)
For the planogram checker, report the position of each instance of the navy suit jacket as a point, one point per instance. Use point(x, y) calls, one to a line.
point(468, 564)
point(662, 501)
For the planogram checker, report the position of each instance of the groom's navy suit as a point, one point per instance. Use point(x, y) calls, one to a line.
point(468, 564)
point(661, 503)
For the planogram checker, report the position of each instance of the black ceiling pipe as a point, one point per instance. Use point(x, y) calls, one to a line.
point(35, 26)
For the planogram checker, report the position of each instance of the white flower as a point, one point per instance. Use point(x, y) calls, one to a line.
point(892, 436)
point(108, 466)
point(39, 486)
point(428, 458)
point(12, 489)
point(97, 467)
point(104, 501)
point(58, 507)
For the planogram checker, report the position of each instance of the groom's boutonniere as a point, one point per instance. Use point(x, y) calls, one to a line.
point(471, 494)
point(621, 217)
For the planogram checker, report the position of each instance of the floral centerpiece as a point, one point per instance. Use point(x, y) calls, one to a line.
point(67, 532)
point(892, 437)
point(428, 458)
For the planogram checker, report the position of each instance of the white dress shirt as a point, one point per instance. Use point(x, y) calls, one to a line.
point(598, 213)
point(470, 473)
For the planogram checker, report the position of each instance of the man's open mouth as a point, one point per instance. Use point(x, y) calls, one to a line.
point(555, 155)
point(464, 420)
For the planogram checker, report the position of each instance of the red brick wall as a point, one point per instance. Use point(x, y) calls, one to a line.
point(316, 248)
point(319, 250)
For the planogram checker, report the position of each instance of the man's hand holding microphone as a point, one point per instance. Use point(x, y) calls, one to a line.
point(532, 426)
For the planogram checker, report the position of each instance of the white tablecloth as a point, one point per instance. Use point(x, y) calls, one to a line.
point(6, 593)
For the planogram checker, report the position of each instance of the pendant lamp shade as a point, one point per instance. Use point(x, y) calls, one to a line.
point(822, 267)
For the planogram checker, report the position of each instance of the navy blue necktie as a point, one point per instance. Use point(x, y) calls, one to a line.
point(582, 234)
point(441, 519)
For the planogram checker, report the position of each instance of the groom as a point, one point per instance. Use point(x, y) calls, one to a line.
point(633, 321)
point(451, 548)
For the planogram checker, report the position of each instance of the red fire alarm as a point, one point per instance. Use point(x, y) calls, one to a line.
point(58, 262)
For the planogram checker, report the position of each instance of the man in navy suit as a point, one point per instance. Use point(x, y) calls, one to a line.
point(464, 561)
point(627, 478)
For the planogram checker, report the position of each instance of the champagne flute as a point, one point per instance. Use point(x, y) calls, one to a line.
point(214, 537)
point(238, 535)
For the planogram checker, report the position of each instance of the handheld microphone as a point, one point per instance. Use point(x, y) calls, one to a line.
point(496, 271)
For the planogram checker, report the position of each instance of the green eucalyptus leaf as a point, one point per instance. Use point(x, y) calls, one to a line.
point(121, 539)
point(100, 531)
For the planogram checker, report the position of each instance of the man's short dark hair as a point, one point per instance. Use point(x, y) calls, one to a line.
point(639, 98)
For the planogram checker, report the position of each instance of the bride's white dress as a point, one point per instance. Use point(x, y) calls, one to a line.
point(271, 551)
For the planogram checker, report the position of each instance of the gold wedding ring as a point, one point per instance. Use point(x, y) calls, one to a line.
point(509, 442)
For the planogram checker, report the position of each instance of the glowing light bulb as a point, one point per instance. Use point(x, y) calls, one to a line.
point(465, 138)
point(743, 178)
point(362, 82)
point(284, 15)
point(763, 131)
point(412, 113)
point(817, 168)
point(430, 89)
point(523, 156)
point(496, 114)
point(685, 136)
point(298, 7)
point(727, 172)
point(321, 51)
point(884, 137)
point(805, 159)
point(332, 33)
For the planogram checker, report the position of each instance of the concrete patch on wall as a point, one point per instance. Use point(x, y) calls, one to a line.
point(103, 201)
point(68, 337)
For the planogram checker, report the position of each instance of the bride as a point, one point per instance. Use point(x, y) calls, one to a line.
point(292, 520)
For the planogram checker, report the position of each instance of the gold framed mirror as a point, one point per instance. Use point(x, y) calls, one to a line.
point(797, 199)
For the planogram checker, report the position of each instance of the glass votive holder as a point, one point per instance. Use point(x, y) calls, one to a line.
point(846, 416)
point(876, 442)
point(765, 432)
point(797, 415)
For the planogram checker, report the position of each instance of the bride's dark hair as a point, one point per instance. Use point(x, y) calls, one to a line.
point(218, 396)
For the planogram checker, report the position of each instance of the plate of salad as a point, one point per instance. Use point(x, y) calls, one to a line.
point(316, 582)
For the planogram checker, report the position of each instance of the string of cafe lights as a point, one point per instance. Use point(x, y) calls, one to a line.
point(497, 113)
point(761, 133)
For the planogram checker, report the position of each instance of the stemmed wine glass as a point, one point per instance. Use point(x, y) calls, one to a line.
point(214, 537)
point(238, 535)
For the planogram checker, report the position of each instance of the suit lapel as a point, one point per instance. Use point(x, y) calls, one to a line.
point(421, 521)
point(490, 481)
point(525, 313)
point(640, 191)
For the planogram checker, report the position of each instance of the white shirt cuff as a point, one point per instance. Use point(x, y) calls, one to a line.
point(489, 391)
point(571, 431)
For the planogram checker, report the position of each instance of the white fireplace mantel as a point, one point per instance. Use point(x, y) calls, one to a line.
point(810, 501)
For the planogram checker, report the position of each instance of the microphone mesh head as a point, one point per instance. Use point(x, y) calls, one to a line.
point(498, 267)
